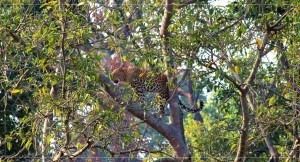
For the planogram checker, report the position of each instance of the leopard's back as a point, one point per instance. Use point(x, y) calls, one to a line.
point(151, 83)
point(144, 81)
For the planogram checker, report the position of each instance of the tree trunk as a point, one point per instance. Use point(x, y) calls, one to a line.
point(241, 153)
point(172, 132)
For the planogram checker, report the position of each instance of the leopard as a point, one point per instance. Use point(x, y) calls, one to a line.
point(143, 81)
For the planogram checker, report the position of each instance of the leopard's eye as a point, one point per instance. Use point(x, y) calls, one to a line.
point(116, 81)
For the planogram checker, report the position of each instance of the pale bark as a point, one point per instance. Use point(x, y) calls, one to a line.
point(172, 132)
point(242, 147)
point(44, 137)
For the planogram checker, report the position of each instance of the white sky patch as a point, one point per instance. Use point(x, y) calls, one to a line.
point(221, 3)
point(270, 57)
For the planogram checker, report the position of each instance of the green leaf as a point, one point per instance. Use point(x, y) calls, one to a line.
point(8, 145)
point(237, 69)
point(81, 3)
point(16, 91)
point(272, 100)
point(259, 43)
point(28, 144)
point(48, 139)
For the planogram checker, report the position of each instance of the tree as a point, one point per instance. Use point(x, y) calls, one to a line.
point(58, 100)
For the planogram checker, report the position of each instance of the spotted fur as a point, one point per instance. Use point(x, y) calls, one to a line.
point(144, 81)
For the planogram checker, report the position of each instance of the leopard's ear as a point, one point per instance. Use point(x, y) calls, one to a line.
point(112, 62)
point(127, 65)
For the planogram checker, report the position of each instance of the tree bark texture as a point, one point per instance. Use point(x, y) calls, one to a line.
point(170, 131)
point(242, 148)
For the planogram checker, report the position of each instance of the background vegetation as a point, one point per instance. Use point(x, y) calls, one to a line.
point(57, 101)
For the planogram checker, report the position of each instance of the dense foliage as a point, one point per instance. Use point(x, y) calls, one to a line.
point(242, 60)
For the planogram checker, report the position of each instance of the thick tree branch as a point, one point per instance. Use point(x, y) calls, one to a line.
point(176, 115)
point(242, 147)
point(170, 132)
point(155, 122)
point(136, 109)
point(261, 51)
point(243, 141)
point(254, 70)
point(166, 20)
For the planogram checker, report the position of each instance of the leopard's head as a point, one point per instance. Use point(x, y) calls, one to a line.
point(119, 75)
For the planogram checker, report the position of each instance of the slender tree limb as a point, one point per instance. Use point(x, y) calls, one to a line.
point(229, 78)
point(12, 157)
point(64, 151)
point(260, 53)
point(272, 150)
point(295, 147)
point(15, 37)
point(21, 78)
point(130, 151)
point(85, 147)
point(67, 129)
point(44, 135)
point(242, 147)
point(254, 69)
point(62, 45)
point(276, 25)
point(230, 25)
point(261, 49)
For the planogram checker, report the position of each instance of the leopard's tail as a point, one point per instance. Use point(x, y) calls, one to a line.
point(190, 109)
